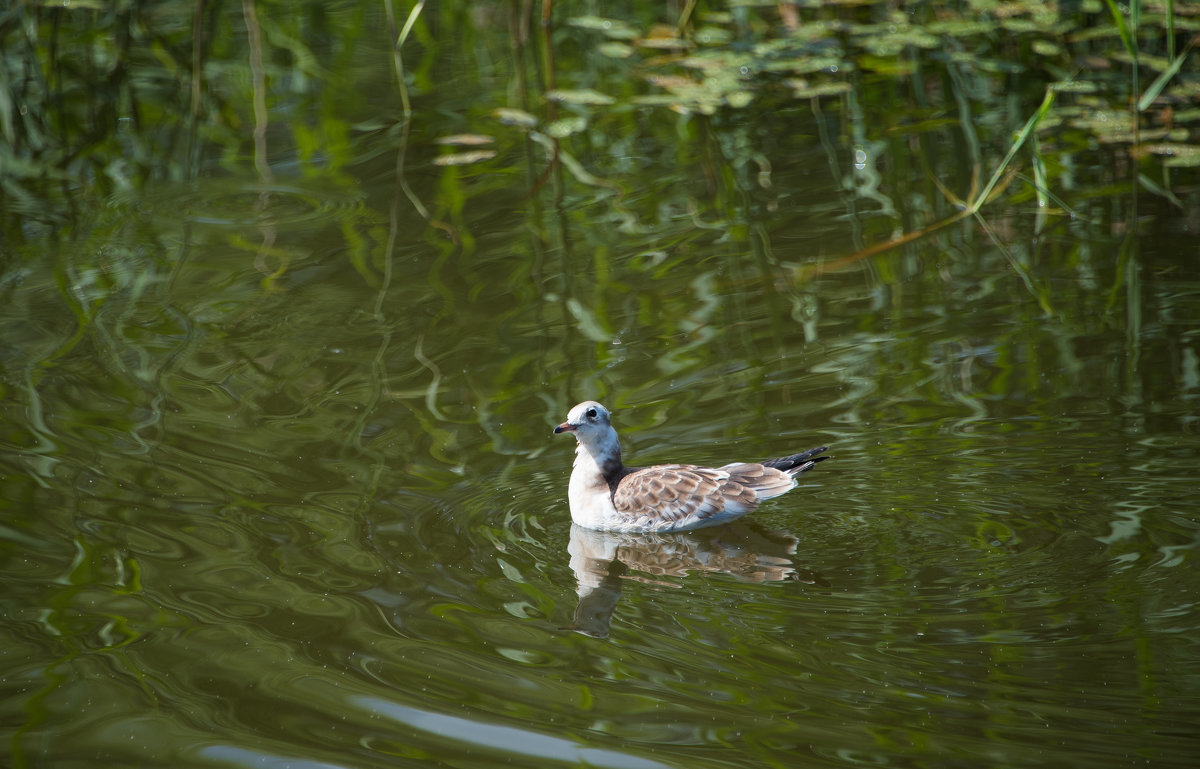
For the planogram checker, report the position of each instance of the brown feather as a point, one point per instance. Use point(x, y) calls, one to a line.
point(669, 493)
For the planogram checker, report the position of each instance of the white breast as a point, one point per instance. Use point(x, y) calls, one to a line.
point(588, 493)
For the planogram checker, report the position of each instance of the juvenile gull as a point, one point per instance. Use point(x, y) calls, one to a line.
point(605, 494)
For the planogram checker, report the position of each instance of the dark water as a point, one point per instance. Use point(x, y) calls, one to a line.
point(277, 477)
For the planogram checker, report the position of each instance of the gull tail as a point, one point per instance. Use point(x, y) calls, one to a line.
point(797, 463)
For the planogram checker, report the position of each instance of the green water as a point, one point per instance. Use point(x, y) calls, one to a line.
point(277, 474)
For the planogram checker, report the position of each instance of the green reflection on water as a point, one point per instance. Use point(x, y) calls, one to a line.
point(277, 477)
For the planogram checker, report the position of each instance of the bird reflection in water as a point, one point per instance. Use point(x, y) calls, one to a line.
point(603, 560)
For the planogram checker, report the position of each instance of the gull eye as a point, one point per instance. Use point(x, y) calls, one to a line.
point(591, 413)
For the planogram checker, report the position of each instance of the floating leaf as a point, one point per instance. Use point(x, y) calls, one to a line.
point(659, 43)
point(802, 89)
point(960, 28)
point(465, 140)
point(739, 99)
point(1046, 48)
point(655, 100)
point(887, 65)
point(662, 36)
point(706, 63)
point(889, 40)
point(806, 64)
point(582, 96)
point(1074, 86)
point(1022, 26)
point(672, 82)
point(1178, 155)
point(1108, 125)
point(509, 116)
point(614, 28)
point(615, 50)
point(1186, 116)
point(565, 127)
point(1185, 90)
point(713, 36)
point(464, 158)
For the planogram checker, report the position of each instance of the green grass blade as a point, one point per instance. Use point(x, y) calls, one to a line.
point(1022, 136)
point(1170, 29)
point(1123, 29)
point(1161, 81)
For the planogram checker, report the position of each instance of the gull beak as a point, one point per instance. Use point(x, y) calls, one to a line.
point(565, 427)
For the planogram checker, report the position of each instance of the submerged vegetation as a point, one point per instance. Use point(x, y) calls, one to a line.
point(98, 98)
point(808, 138)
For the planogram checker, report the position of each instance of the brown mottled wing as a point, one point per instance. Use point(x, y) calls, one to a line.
point(669, 494)
point(766, 482)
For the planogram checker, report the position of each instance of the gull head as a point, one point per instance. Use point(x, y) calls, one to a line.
point(589, 421)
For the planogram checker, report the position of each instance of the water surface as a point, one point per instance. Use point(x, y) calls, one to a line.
point(278, 479)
